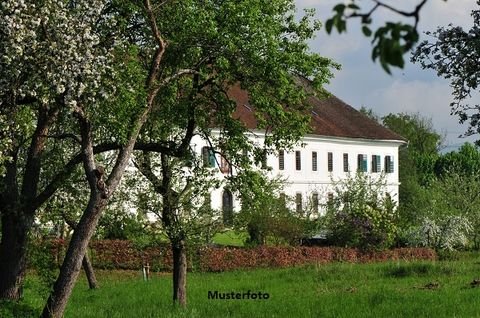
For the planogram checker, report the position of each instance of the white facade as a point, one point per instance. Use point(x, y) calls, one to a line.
point(336, 158)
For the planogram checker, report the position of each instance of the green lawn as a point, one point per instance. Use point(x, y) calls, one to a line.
point(231, 238)
point(416, 289)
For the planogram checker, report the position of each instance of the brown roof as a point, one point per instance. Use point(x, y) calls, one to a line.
point(329, 117)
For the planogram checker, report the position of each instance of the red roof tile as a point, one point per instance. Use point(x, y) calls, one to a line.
point(330, 117)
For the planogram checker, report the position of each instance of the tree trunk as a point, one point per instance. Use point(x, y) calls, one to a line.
point(88, 268)
point(86, 264)
point(72, 263)
point(179, 273)
point(13, 250)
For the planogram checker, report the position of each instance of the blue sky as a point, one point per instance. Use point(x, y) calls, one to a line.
point(361, 82)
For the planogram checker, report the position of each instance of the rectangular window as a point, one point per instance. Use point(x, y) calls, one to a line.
point(314, 161)
point(224, 165)
point(298, 160)
point(298, 202)
point(389, 164)
point(330, 200)
point(281, 160)
point(264, 159)
point(330, 162)
point(315, 202)
point(345, 162)
point(362, 163)
point(376, 163)
point(208, 157)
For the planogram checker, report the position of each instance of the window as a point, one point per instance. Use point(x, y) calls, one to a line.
point(345, 162)
point(315, 202)
point(281, 160)
point(330, 200)
point(298, 202)
point(208, 157)
point(376, 163)
point(388, 164)
point(314, 161)
point(298, 160)
point(264, 159)
point(330, 162)
point(227, 207)
point(225, 166)
point(362, 163)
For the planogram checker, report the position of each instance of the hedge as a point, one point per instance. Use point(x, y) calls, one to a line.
point(117, 254)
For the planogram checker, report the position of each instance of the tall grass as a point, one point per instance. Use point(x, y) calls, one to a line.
point(396, 289)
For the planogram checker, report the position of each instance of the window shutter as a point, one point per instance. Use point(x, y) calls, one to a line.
point(298, 160)
point(362, 163)
point(330, 162)
point(281, 160)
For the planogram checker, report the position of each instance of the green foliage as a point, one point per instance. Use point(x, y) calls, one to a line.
point(361, 214)
point(370, 114)
point(390, 42)
point(453, 53)
point(264, 214)
point(465, 160)
point(40, 256)
point(446, 213)
point(422, 137)
point(121, 225)
point(416, 163)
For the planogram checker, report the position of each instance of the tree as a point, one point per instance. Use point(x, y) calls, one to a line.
point(416, 162)
point(63, 209)
point(458, 184)
point(370, 114)
point(102, 183)
point(251, 48)
point(391, 41)
point(50, 56)
point(454, 54)
point(451, 218)
point(465, 160)
point(55, 78)
point(179, 200)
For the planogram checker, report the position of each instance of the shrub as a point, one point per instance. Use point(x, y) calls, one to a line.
point(111, 254)
point(359, 215)
point(448, 233)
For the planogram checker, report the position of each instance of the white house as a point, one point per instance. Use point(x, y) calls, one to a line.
point(342, 141)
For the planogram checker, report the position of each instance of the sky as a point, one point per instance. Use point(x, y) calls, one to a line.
point(361, 82)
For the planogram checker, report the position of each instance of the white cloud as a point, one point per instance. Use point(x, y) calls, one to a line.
point(360, 82)
point(430, 99)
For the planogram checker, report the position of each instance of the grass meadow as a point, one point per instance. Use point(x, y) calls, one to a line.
point(395, 289)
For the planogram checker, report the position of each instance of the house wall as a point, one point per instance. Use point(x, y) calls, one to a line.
point(307, 181)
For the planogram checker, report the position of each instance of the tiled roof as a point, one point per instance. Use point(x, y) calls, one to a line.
point(329, 117)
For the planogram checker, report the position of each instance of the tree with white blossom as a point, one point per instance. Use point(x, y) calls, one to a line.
point(81, 77)
point(50, 60)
